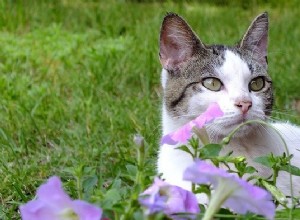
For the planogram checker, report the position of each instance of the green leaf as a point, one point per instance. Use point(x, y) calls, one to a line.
point(111, 197)
point(89, 183)
point(285, 214)
point(202, 189)
point(264, 160)
point(117, 183)
point(210, 150)
point(291, 169)
point(250, 170)
point(186, 149)
point(131, 169)
point(279, 196)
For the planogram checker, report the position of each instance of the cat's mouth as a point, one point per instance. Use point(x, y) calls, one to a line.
point(223, 126)
point(233, 122)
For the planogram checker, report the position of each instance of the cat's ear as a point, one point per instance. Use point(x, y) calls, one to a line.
point(177, 42)
point(256, 38)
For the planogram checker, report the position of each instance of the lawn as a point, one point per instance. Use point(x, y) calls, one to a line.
point(79, 78)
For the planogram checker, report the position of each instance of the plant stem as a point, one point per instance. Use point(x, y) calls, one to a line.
point(139, 183)
point(275, 175)
point(217, 199)
point(227, 139)
point(202, 135)
point(140, 165)
point(193, 187)
point(79, 187)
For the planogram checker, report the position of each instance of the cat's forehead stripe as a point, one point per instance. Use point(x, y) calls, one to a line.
point(233, 64)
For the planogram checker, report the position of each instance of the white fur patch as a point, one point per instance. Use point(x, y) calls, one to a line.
point(235, 76)
point(164, 78)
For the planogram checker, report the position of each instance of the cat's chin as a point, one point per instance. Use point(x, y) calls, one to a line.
point(218, 132)
point(223, 126)
point(243, 131)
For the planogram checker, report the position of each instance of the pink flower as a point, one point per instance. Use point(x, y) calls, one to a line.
point(183, 134)
point(169, 199)
point(53, 203)
point(234, 193)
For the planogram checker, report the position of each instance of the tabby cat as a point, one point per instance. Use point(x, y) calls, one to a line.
point(195, 74)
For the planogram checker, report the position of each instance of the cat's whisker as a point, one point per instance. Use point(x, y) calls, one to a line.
point(282, 52)
point(274, 118)
point(281, 110)
point(186, 116)
point(286, 114)
point(265, 130)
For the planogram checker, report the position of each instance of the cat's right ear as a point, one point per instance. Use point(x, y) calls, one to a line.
point(177, 42)
point(256, 38)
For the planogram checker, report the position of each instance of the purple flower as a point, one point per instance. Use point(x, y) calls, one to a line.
point(231, 191)
point(183, 134)
point(169, 199)
point(53, 203)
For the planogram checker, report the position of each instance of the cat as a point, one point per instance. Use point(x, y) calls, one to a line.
point(195, 75)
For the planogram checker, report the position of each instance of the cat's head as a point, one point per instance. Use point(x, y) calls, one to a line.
point(195, 75)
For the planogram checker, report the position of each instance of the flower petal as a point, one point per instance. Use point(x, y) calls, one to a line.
point(169, 199)
point(53, 194)
point(35, 210)
point(168, 139)
point(213, 111)
point(53, 203)
point(183, 134)
point(86, 211)
point(242, 196)
point(151, 198)
point(258, 200)
point(203, 173)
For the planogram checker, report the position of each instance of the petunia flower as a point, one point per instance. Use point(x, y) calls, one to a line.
point(53, 203)
point(183, 134)
point(169, 199)
point(230, 191)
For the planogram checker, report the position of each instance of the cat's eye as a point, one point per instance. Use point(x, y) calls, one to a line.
point(257, 84)
point(212, 84)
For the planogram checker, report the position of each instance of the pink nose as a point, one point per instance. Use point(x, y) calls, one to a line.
point(244, 106)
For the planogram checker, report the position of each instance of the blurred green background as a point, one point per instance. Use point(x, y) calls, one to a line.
point(79, 78)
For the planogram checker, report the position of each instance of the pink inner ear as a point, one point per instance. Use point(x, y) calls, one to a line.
point(173, 54)
point(263, 45)
point(262, 50)
point(177, 42)
point(256, 38)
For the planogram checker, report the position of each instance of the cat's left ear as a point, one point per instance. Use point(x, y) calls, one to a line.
point(256, 38)
point(178, 42)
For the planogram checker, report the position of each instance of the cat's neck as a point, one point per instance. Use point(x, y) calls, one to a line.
point(170, 124)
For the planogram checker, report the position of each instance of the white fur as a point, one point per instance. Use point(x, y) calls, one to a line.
point(251, 142)
point(164, 78)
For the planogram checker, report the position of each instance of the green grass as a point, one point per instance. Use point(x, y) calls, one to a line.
point(79, 78)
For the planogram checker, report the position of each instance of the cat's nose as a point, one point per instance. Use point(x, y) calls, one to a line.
point(244, 106)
